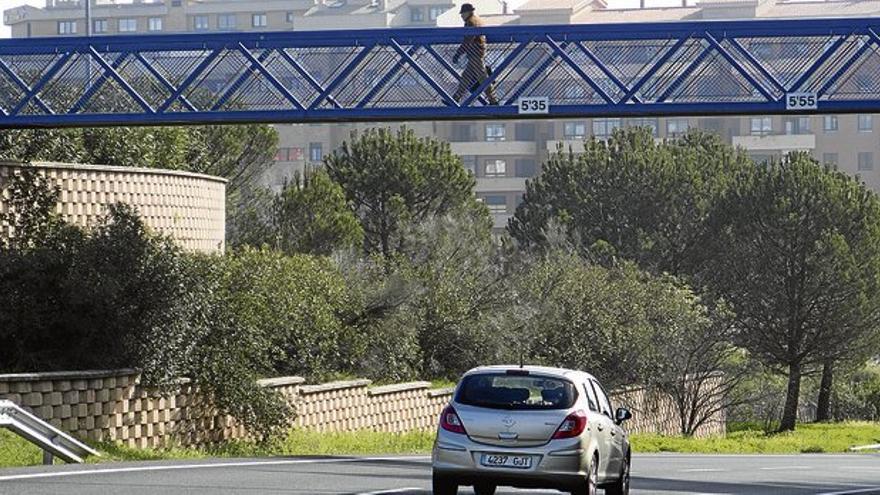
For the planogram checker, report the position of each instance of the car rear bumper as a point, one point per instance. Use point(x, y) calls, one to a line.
point(558, 464)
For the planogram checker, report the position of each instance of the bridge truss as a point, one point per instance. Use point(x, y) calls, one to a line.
point(682, 68)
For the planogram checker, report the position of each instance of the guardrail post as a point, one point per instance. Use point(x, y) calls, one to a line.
point(48, 458)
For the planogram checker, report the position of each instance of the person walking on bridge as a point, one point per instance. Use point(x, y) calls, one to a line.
point(474, 48)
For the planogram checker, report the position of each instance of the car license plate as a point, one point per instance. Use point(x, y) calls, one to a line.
point(509, 461)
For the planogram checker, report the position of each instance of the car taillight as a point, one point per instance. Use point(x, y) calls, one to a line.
point(572, 426)
point(450, 421)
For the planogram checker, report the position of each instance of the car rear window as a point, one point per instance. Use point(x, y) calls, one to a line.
point(503, 391)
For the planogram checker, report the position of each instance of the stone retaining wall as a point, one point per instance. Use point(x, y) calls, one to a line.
point(113, 406)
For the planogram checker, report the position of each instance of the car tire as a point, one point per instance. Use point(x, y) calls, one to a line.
point(590, 486)
point(621, 486)
point(441, 485)
point(484, 489)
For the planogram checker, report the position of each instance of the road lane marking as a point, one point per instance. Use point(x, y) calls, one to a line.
point(175, 467)
point(873, 489)
point(783, 468)
point(392, 491)
point(702, 470)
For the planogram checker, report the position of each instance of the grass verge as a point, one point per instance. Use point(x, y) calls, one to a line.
point(807, 438)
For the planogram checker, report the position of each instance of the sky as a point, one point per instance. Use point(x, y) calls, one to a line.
point(8, 4)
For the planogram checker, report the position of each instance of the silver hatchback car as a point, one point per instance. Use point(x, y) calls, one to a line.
point(531, 427)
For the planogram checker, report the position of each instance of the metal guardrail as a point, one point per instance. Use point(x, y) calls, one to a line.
point(53, 441)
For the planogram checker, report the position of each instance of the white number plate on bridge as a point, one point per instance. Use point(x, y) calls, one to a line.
point(509, 461)
point(533, 105)
point(801, 101)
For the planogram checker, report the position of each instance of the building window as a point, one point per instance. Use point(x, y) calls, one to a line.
point(259, 20)
point(99, 26)
point(829, 123)
point(677, 127)
point(574, 130)
point(416, 14)
point(866, 161)
point(470, 163)
point(830, 159)
point(495, 168)
point(866, 123)
point(526, 167)
point(650, 124)
point(497, 204)
point(316, 152)
point(495, 132)
point(176, 3)
point(761, 126)
point(226, 21)
point(66, 27)
point(463, 132)
point(154, 24)
point(200, 22)
point(289, 18)
point(797, 125)
point(435, 12)
point(603, 128)
point(127, 25)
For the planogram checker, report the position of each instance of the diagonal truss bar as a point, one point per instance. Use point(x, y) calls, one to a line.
point(448, 67)
point(495, 73)
point(189, 80)
point(308, 77)
point(42, 82)
point(654, 69)
point(846, 66)
point(94, 87)
point(572, 64)
point(439, 89)
point(756, 63)
point(108, 70)
point(685, 74)
point(538, 72)
point(159, 77)
point(754, 82)
point(352, 65)
point(379, 86)
point(23, 86)
point(238, 82)
point(610, 75)
point(818, 63)
point(258, 65)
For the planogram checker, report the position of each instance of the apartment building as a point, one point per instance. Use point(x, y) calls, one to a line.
point(503, 155)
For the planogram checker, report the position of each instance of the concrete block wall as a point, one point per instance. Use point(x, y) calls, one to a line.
point(112, 406)
point(191, 208)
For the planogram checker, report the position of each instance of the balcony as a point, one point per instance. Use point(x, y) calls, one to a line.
point(501, 184)
point(776, 142)
point(494, 148)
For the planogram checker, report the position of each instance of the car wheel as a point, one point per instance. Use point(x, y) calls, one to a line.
point(590, 486)
point(442, 485)
point(484, 489)
point(621, 486)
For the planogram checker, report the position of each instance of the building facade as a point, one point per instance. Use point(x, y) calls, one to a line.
point(503, 155)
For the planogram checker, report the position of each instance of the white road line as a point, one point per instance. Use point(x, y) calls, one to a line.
point(175, 467)
point(389, 492)
point(702, 470)
point(850, 492)
point(783, 468)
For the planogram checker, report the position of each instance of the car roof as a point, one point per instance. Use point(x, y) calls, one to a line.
point(540, 370)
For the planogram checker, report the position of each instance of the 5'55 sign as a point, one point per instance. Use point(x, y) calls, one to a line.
point(801, 101)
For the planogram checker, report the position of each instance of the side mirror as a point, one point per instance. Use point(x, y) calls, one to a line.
point(622, 415)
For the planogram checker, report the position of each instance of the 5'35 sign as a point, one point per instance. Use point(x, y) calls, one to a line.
point(533, 105)
point(801, 101)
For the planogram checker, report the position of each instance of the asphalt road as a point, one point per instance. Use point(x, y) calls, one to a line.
point(652, 474)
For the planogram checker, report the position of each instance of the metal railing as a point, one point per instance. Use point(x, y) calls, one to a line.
point(53, 442)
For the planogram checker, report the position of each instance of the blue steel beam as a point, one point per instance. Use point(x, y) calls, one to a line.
point(656, 69)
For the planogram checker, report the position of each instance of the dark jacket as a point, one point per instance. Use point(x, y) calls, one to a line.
point(473, 46)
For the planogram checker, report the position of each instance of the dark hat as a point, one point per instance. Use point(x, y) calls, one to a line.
point(466, 7)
